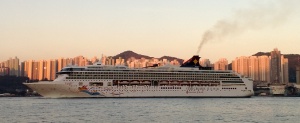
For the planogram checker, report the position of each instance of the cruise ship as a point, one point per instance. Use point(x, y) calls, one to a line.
point(188, 80)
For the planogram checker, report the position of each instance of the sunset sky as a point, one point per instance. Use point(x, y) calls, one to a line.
point(50, 29)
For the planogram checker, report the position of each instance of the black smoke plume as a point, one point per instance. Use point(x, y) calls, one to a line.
point(270, 14)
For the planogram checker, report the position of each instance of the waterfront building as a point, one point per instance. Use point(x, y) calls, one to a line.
point(63, 62)
point(298, 74)
point(103, 59)
point(51, 69)
point(241, 65)
point(35, 70)
point(28, 69)
point(284, 70)
point(279, 68)
point(94, 60)
point(221, 64)
point(120, 61)
point(42, 70)
point(60, 63)
point(205, 63)
point(175, 62)
point(264, 68)
point(271, 69)
point(80, 61)
point(109, 61)
point(11, 66)
point(254, 67)
point(275, 66)
point(67, 62)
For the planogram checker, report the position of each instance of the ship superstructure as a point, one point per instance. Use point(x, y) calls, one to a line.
point(188, 80)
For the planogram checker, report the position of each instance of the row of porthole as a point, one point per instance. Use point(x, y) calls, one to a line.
point(170, 78)
point(87, 80)
point(167, 90)
point(229, 88)
point(158, 90)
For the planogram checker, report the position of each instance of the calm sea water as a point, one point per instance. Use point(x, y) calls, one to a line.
point(141, 110)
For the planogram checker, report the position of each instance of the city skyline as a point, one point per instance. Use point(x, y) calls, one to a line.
point(100, 56)
point(54, 29)
point(272, 68)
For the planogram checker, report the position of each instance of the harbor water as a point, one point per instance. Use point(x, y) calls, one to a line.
point(144, 110)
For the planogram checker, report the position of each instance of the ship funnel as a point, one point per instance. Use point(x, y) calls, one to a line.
point(194, 62)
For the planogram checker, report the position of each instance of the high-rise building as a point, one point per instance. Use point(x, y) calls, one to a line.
point(205, 63)
point(94, 60)
point(14, 66)
point(51, 69)
point(110, 61)
point(279, 68)
point(254, 68)
point(22, 69)
point(103, 59)
point(284, 70)
point(80, 61)
point(175, 62)
point(60, 63)
point(221, 64)
point(271, 69)
point(28, 69)
point(264, 68)
point(120, 61)
point(67, 62)
point(275, 66)
point(42, 70)
point(11, 66)
point(35, 70)
point(241, 65)
point(298, 74)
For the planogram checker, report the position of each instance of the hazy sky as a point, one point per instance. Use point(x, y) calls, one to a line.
point(49, 29)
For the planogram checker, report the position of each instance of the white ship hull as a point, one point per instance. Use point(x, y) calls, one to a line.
point(62, 90)
point(166, 81)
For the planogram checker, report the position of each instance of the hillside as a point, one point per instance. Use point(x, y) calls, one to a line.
point(128, 54)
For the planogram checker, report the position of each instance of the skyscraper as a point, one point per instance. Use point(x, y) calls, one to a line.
point(42, 70)
point(284, 70)
point(80, 61)
point(298, 74)
point(11, 66)
point(221, 64)
point(60, 63)
point(28, 69)
point(254, 67)
point(51, 69)
point(14, 66)
point(205, 63)
point(120, 61)
point(241, 65)
point(264, 68)
point(275, 66)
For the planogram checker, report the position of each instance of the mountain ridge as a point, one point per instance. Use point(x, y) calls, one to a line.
point(128, 54)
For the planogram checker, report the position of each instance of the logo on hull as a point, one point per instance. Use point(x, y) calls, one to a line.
point(86, 90)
